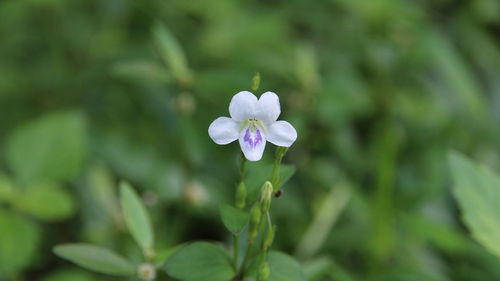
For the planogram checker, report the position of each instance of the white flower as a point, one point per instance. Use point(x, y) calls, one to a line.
point(253, 122)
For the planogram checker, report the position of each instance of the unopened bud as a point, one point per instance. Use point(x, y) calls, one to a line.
point(255, 215)
point(268, 240)
point(256, 82)
point(146, 272)
point(264, 271)
point(241, 195)
point(265, 196)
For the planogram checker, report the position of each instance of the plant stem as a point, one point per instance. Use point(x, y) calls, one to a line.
point(236, 251)
point(275, 176)
point(246, 258)
point(236, 237)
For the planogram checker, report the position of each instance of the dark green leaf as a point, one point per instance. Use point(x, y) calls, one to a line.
point(233, 218)
point(200, 261)
point(284, 268)
point(258, 173)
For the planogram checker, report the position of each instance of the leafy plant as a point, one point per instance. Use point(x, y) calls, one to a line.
point(477, 190)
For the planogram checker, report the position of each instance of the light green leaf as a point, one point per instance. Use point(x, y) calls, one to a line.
point(96, 259)
point(477, 190)
point(141, 69)
point(284, 268)
point(233, 218)
point(200, 261)
point(37, 199)
point(172, 53)
point(18, 243)
point(136, 217)
point(51, 148)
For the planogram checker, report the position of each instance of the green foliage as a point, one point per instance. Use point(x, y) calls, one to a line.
point(477, 190)
point(199, 261)
point(19, 239)
point(51, 148)
point(136, 217)
point(33, 201)
point(259, 173)
point(234, 219)
point(172, 53)
point(284, 268)
point(379, 92)
point(95, 258)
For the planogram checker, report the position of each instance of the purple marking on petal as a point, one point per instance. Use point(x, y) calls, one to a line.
point(253, 139)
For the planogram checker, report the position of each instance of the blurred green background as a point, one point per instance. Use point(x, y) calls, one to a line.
point(93, 92)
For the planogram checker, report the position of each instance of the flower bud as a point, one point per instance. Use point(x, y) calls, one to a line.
point(241, 195)
point(256, 82)
point(265, 196)
point(146, 272)
point(268, 240)
point(264, 271)
point(255, 215)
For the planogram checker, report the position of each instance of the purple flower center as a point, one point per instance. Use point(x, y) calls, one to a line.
point(252, 138)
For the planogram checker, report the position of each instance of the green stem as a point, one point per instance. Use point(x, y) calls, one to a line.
point(246, 258)
point(243, 167)
point(236, 251)
point(275, 176)
point(236, 238)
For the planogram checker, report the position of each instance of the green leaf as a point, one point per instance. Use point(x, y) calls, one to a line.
point(95, 258)
point(36, 202)
point(258, 173)
point(51, 148)
point(200, 261)
point(233, 218)
point(477, 190)
point(172, 53)
point(19, 240)
point(284, 268)
point(140, 69)
point(136, 217)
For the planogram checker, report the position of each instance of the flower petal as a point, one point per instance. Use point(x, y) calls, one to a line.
point(252, 142)
point(281, 133)
point(223, 130)
point(242, 106)
point(268, 108)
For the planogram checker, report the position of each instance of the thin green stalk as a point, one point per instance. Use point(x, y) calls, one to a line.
point(236, 238)
point(246, 258)
point(236, 251)
point(275, 176)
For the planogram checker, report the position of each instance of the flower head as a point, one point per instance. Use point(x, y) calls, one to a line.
point(253, 122)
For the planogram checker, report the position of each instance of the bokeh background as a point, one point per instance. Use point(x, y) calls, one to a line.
point(93, 92)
